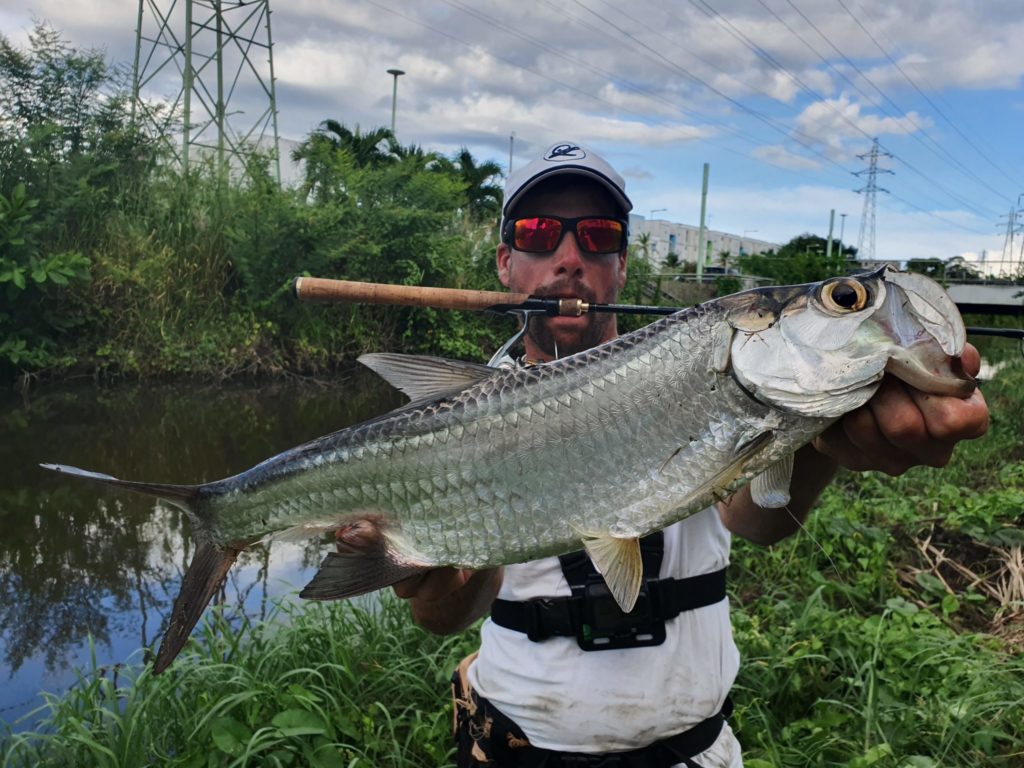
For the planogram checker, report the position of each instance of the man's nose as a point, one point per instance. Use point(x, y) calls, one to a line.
point(568, 256)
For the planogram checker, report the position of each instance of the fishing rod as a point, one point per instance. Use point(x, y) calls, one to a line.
point(351, 292)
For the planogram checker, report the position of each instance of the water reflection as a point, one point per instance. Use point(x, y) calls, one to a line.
point(78, 561)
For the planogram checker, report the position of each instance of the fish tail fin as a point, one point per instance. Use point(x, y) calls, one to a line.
point(207, 571)
point(210, 563)
point(184, 496)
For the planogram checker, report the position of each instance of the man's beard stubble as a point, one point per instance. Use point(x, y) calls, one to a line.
point(590, 336)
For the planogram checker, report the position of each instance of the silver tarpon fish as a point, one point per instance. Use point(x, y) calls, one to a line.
point(488, 466)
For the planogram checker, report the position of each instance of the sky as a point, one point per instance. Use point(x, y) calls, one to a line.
point(781, 98)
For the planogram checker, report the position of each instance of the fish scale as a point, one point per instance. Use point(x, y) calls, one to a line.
point(595, 449)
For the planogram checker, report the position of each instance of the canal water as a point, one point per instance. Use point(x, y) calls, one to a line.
point(86, 570)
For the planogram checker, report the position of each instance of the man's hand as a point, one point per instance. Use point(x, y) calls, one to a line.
point(447, 600)
point(901, 427)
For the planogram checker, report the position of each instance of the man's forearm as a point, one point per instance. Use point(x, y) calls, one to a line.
point(812, 472)
point(455, 610)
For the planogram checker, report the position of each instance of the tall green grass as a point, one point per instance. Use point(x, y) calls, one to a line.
point(337, 685)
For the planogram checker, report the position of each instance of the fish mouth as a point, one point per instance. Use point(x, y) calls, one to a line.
point(935, 374)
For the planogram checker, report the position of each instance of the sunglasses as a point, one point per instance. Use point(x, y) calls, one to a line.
point(542, 234)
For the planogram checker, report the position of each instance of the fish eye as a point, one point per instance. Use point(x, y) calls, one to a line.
point(844, 295)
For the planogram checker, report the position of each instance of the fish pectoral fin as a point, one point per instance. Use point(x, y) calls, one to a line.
point(619, 562)
point(770, 489)
point(210, 565)
point(426, 378)
point(356, 572)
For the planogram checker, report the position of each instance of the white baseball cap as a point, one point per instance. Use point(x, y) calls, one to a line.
point(560, 158)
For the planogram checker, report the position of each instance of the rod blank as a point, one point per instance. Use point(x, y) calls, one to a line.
point(352, 292)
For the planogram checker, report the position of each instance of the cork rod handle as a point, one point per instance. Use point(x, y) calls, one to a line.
point(350, 292)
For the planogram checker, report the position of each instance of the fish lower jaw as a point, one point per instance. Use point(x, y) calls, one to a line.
point(944, 376)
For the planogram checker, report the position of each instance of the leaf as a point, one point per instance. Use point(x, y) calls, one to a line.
point(229, 735)
point(299, 722)
point(901, 606)
point(931, 583)
point(950, 605)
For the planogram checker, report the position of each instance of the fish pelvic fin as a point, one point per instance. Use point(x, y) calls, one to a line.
point(619, 561)
point(183, 496)
point(353, 573)
point(366, 560)
point(770, 489)
point(207, 571)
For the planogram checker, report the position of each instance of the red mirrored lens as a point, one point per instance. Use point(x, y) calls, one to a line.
point(599, 235)
point(537, 235)
point(542, 234)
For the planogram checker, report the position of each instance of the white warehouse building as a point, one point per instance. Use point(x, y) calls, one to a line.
point(667, 237)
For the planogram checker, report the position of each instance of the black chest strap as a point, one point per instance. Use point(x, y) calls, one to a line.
point(591, 614)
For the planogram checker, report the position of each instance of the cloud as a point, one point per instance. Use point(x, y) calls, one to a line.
point(780, 156)
point(832, 122)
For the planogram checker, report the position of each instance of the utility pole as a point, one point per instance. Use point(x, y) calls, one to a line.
point(511, 144)
point(395, 73)
point(703, 212)
point(831, 226)
point(842, 229)
point(866, 240)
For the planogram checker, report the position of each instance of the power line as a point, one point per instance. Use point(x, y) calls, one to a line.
point(938, 147)
point(935, 106)
point(760, 116)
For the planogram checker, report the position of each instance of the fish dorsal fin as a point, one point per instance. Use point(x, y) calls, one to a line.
point(770, 489)
point(426, 378)
point(620, 563)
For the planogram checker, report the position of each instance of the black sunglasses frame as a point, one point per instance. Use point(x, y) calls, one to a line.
point(568, 225)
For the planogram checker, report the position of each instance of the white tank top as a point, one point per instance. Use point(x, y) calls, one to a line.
point(571, 700)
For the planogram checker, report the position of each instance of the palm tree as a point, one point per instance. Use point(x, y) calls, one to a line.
point(320, 150)
point(414, 157)
point(483, 198)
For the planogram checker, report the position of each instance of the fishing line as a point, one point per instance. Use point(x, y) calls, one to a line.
point(805, 529)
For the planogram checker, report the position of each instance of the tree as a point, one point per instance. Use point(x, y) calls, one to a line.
point(69, 153)
point(642, 246)
point(332, 146)
point(483, 198)
point(802, 260)
point(933, 268)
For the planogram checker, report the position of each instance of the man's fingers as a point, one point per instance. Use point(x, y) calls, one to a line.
point(902, 427)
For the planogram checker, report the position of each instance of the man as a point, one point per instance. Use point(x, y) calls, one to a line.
point(547, 701)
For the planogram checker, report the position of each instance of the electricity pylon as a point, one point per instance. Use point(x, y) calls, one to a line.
point(866, 239)
point(205, 50)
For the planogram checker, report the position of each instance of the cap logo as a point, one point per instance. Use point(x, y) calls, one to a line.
point(565, 152)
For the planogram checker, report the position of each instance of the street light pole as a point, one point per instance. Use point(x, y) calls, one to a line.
point(654, 211)
point(394, 95)
point(842, 227)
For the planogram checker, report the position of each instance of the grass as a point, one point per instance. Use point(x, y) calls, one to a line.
point(890, 634)
point(317, 685)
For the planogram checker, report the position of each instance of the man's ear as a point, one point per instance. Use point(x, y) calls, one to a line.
point(622, 268)
point(503, 259)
